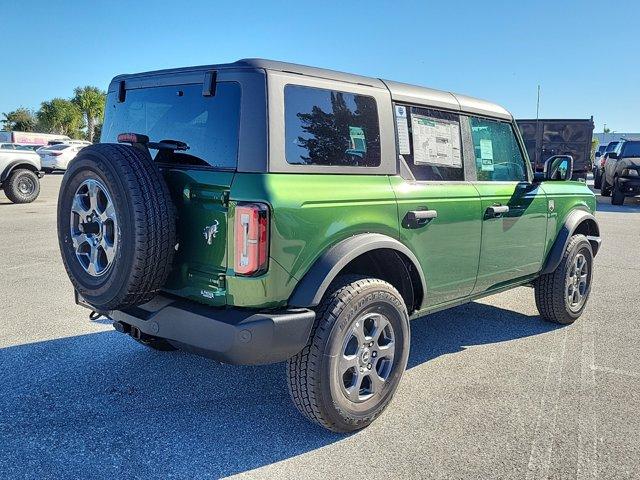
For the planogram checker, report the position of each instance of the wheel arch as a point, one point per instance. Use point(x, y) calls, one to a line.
point(577, 222)
point(370, 254)
point(14, 165)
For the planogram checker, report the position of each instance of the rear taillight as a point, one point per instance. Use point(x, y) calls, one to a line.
point(602, 161)
point(251, 238)
point(55, 154)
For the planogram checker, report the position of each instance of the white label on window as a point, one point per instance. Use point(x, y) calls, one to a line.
point(486, 155)
point(435, 141)
point(403, 130)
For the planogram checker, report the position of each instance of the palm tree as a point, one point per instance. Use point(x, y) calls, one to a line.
point(21, 119)
point(60, 116)
point(90, 101)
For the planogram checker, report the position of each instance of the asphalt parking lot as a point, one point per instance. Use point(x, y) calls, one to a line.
point(491, 390)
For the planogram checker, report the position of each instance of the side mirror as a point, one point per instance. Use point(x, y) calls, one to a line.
point(613, 155)
point(598, 154)
point(558, 167)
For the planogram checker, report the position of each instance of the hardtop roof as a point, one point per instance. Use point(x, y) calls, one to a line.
point(400, 92)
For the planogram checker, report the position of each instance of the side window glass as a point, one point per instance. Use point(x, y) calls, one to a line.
point(498, 156)
point(327, 127)
point(430, 142)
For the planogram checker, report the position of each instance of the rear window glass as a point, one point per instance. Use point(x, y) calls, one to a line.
point(208, 125)
point(326, 127)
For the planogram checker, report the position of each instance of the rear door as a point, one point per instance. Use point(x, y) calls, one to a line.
point(199, 178)
point(438, 209)
point(514, 211)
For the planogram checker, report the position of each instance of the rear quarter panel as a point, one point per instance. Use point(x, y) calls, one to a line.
point(309, 213)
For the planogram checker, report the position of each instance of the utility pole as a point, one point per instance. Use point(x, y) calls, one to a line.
point(538, 105)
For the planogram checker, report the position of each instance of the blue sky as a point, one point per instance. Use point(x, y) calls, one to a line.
point(495, 50)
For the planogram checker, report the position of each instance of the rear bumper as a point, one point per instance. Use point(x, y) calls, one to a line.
point(241, 337)
point(629, 186)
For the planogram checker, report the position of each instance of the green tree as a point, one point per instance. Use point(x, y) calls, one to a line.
point(21, 119)
point(606, 130)
point(90, 101)
point(60, 116)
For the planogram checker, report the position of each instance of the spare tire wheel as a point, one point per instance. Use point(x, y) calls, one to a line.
point(116, 226)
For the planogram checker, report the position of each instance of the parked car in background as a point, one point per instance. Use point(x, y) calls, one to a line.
point(20, 173)
point(544, 138)
point(595, 161)
point(621, 175)
point(69, 142)
point(17, 146)
point(600, 161)
point(57, 157)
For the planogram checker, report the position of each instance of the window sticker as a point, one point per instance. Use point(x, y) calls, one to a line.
point(486, 155)
point(358, 146)
point(435, 141)
point(404, 145)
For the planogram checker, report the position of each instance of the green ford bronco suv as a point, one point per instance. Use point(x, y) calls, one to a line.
point(259, 211)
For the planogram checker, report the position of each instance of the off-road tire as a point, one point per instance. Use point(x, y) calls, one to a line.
point(311, 378)
point(604, 187)
point(550, 289)
point(12, 186)
point(617, 195)
point(146, 226)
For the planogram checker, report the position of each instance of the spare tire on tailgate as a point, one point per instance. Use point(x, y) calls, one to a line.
point(116, 226)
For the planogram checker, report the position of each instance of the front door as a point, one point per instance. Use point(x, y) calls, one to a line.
point(514, 211)
point(439, 211)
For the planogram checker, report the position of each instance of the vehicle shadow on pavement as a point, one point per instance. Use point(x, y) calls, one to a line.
point(102, 406)
point(452, 330)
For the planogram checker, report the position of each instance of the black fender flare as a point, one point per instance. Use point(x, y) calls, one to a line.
point(314, 284)
point(571, 224)
point(13, 165)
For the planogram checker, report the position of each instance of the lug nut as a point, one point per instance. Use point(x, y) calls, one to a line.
point(371, 344)
point(369, 367)
point(374, 354)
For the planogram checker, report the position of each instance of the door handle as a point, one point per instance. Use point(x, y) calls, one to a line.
point(496, 210)
point(417, 218)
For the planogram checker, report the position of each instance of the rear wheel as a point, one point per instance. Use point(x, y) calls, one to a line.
point(347, 374)
point(597, 178)
point(562, 295)
point(22, 186)
point(617, 195)
point(604, 188)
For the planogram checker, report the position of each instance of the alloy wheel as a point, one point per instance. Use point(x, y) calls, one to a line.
point(94, 227)
point(366, 358)
point(577, 284)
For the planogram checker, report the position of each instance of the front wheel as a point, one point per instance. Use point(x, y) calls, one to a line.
point(562, 295)
point(346, 375)
point(22, 186)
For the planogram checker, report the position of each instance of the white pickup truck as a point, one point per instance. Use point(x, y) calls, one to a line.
point(20, 172)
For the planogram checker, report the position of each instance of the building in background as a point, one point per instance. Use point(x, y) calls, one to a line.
point(605, 138)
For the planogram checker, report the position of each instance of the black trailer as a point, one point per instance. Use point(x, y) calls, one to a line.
point(546, 137)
